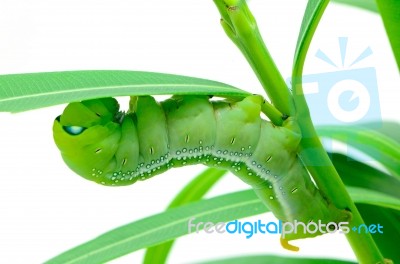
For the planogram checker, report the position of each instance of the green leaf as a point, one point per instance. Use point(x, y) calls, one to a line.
point(21, 92)
point(270, 259)
point(367, 196)
point(355, 173)
point(194, 191)
point(173, 223)
point(365, 4)
point(390, 13)
point(162, 227)
point(311, 18)
point(389, 129)
point(374, 144)
point(388, 242)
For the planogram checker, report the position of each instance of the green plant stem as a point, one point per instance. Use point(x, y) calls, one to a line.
point(317, 160)
point(272, 113)
point(329, 182)
point(241, 27)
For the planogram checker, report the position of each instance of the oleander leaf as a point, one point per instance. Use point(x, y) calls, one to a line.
point(172, 223)
point(271, 259)
point(193, 191)
point(376, 145)
point(27, 91)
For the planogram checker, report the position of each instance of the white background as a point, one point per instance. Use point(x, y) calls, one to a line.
point(45, 209)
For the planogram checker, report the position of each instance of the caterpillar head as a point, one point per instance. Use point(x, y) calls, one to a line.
point(89, 135)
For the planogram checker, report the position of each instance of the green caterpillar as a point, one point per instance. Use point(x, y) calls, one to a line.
point(110, 147)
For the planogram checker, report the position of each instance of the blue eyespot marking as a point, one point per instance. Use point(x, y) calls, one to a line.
point(74, 130)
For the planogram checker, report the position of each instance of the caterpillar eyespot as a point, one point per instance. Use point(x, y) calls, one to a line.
point(105, 145)
point(74, 130)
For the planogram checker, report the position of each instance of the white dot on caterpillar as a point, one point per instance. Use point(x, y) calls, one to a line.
point(280, 188)
point(93, 174)
point(190, 151)
point(148, 166)
point(271, 197)
point(242, 148)
point(157, 161)
point(179, 158)
point(258, 166)
point(207, 148)
point(225, 152)
point(254, 163)
point(250, 173)
point(184, 150)
point(200, 142)
point(275, 176)
point(249, 147)
point(270, 186)
point(93, 169)
point(219, 151)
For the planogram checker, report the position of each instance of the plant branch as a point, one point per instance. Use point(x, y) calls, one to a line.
point(241, 27)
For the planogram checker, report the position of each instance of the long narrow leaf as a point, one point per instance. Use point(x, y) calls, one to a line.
point(311, 18)
point(365, 4)
point(162, 227)
point(357, 174)
point(378, 146)
point(388, 242)
point(173, 223)
point(193, 191)
point(270, 259)
point(21, 92)
point(390, 13)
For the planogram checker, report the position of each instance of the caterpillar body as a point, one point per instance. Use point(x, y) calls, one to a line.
point(110, 147)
